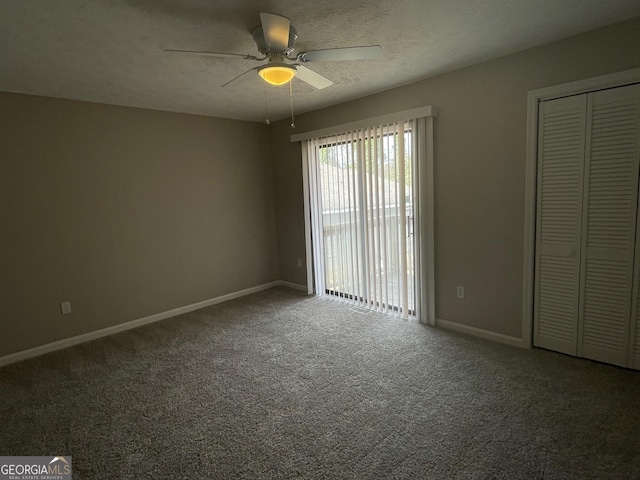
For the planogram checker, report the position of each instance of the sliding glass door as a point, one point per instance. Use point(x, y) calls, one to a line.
point(362, 203)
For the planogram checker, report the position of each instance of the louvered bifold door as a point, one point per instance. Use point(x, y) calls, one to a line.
point(609, 224)
point(561, 141)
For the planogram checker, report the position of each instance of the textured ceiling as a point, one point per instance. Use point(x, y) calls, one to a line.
point(111, 51)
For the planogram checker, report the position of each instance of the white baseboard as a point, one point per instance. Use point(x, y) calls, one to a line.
point(479, 332)
point(86, 337)
point(295, 286)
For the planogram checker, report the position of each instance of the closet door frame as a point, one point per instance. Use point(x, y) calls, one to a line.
point(534, 98)
point(634, 356)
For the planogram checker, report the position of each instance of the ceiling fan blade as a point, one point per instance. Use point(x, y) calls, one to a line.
point(312, 78)
point(218, 54)
point(236, 78)
point(368, 52)
point(276, 31)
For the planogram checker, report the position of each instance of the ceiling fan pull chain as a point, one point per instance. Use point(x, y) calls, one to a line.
point(293, 125)
point(266, 107)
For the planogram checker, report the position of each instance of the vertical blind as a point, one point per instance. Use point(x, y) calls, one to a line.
point(361, 188)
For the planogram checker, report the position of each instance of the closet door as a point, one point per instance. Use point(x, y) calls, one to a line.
point(610, 204)
point(561, 151)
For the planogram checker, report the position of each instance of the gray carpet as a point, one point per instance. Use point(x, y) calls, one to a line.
point(280, 385)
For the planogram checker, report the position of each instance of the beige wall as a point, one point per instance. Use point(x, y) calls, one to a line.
point(125, 213)
point(479, 168)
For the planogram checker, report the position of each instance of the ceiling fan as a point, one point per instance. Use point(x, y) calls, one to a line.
point(276, 39)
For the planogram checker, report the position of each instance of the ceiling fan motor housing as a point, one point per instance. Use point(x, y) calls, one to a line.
point(258, 37)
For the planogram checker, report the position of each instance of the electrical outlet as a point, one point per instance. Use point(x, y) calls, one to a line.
point(299, 263)
point(65, 307)
point(460, 292)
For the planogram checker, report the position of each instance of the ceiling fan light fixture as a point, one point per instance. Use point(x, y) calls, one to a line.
point(277, 74)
